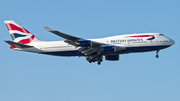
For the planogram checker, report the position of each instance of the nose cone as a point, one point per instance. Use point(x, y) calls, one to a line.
point(172, 42)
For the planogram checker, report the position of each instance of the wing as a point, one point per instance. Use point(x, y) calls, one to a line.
point(86, 46)
point(68, 37)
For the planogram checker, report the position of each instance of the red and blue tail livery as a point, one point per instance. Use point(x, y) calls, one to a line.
point(93, 49)
point(19, 34)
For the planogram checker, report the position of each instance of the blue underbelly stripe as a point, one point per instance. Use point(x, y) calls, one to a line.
point(127, 50)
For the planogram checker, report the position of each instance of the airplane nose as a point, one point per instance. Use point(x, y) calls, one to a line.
point(172, 42)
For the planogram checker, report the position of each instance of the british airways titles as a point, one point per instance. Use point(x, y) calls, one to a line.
point(126, 40)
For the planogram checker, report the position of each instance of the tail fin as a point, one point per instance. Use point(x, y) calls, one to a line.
point(20, 34)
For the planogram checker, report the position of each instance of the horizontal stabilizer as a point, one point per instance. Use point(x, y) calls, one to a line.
point(18, 45)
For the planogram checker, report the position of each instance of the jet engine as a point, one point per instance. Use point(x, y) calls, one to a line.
point(85, 43)
point(112, 57)
point(108, 49)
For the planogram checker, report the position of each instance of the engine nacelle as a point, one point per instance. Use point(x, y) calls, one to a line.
point(85, 43)
point(112, 57)
point(108, 49)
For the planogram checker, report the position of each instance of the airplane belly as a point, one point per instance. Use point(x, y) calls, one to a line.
point(142, 49)
point(62, 51)
point(65, 53)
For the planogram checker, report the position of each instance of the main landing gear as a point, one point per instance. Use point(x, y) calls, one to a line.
point(94, 58)
point(157, 56)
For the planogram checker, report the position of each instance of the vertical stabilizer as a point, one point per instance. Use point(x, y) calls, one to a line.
point(20, 34)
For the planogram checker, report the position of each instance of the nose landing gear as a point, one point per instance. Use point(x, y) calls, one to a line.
point(157, 56)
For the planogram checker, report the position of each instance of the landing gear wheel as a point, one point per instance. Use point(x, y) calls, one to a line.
point(94, 58)
point(157, 56)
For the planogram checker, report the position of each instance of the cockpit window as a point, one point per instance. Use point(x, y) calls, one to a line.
point(161, 35)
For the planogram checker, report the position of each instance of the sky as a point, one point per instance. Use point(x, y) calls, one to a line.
point(135, 77)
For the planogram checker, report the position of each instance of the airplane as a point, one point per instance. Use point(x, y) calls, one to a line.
point(93, 49)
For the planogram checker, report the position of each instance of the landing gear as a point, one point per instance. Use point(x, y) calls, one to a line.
point(94, 58)
point(99, 63)
point(157, 56)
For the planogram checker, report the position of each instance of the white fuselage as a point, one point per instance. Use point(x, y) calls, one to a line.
point(93, 49)
point(132, 43)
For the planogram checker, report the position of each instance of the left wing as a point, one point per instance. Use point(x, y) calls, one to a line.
point(87, 46)
point(68, 37)
point(71, 39)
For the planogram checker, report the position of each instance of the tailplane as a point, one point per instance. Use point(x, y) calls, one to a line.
point(18, 45)
point(20, 34)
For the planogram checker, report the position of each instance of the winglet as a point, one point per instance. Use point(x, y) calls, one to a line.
point(48, 29)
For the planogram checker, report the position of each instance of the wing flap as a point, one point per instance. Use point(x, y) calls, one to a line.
point(87, 50)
